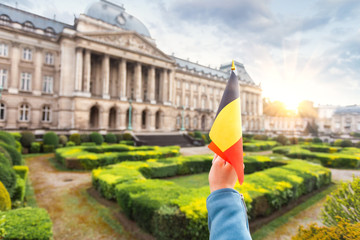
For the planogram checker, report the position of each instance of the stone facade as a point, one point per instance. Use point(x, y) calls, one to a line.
point(86, 76)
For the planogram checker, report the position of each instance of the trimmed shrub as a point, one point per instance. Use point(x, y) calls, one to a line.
point(85, 138)
point(346, 143)
point(96, 138)
point(5, 201)
point(127, 142)
point(344, 230)
point(7, 158)
point(88, 144)
point(260, 137)
point(344, 203)
point(63, 140)
point(282, 140)
point(49, 148)
point(127, 136)
point(51, 138)
point(119, 137)
point(16, 157)
point(16, 135)
point(21, 171)
point(4, 160)
point(70, 144)
point(317, 140)
point(255, 146)
point(75, 138)
point(198, 135)
point(293, 140)
point(19, 192)
point(27, 138)
point(110, 138)
point(7, 138)
point(35, 147)
point(8, 178)
point(18, 146)
point(27, 224)
point(337, 143)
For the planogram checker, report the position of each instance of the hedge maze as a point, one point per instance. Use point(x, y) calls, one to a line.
point(170, 211)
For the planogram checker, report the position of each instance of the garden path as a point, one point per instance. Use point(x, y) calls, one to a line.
point(311, 214)
point(74, 214)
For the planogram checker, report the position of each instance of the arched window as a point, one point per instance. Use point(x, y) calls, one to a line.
point(3, 78)
point(46, 113)
point(28, 26)
point(24, 113)
point(195, 124)
point(178, 121)
point(5, 20)
point(2, 111)
point(4, 50)
point(187, 122)
point(49, 31)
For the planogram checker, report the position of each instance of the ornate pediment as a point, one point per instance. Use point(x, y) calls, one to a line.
point(128, 40)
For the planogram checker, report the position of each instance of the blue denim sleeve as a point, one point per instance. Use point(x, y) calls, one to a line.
point(227, 217)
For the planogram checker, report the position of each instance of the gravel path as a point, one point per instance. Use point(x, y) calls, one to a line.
point(74, 214)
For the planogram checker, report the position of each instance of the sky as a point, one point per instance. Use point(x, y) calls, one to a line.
point(297, 50)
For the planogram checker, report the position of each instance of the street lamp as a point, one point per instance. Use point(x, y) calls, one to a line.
point(182, 119)
point(130, 110)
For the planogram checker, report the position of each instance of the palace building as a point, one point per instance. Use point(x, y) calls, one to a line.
point(101, 71)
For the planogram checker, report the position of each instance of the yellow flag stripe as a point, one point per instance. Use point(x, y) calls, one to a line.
point(226, 129)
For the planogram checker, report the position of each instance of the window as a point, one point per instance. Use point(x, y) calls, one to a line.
point(28, 26)
point(2, 111)
point(48, 84)
point(27, 54)
point(46, 113)
point(187, 122)
point(203, 103)
point(178, 121)
point(4, 51)
point(178, 84)
point(49, 32)
point(49, 58)
point(195, 102)
point(25, 81)
point(187, 86)
point(5, 20)
point(187, 101)
point(203, 89)
point(24, 113)
point(3, 78)
point(211, 90)
point(195, 123)
point(210, 104)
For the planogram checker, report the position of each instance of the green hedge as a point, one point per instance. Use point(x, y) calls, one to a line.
point(27, 224)
point(110, 138)
point(8, 178)
point(97, 138)
point(7, 138)
point(170, 211)
point(35, 147)
point(75, 138)
point(255, 146)
point(127, 142)
point(19, 191)
point(343, 158)
point(5, 201)
point(27, 138)
point(90, 157)
point(22, 171)
point(16, 157)
point(51, 138)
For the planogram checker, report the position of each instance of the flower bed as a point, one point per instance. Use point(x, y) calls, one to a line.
point(90, 157)
point(170, 211)
point(340, 158)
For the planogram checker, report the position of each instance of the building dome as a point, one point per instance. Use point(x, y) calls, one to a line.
point(114, 14)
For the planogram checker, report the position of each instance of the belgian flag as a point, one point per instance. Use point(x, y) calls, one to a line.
point(226, 132)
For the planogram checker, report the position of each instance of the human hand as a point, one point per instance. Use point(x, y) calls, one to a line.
point(221, 175)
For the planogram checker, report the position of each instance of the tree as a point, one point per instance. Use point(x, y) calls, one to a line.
point(306, 110)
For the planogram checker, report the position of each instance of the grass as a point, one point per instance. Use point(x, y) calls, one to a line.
point(273, 225)
point(30, 155)
point(30, 195)
point(61, 167)
point(192, 181)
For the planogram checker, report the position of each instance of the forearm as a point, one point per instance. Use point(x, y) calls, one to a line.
point(227, 215)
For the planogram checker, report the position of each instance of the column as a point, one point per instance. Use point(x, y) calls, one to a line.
point(243, 103)
point(15, 75)
point(171, 87)
point(105, 76)
point(260, 105)
point(122, 79)
point(165, 86)
point(199, 99)
point(79, 69)
point(183, 91)
point(191, 102)
point(152, 120)
point(37, 80)
point(151, 84)
point(87, 71)
point(137, 78)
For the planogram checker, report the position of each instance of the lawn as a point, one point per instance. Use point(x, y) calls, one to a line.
point(191, 181)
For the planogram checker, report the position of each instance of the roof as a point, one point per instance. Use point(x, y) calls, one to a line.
point(353, 109)
point(223, 72)
point(114, 14)
point(20, 16)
